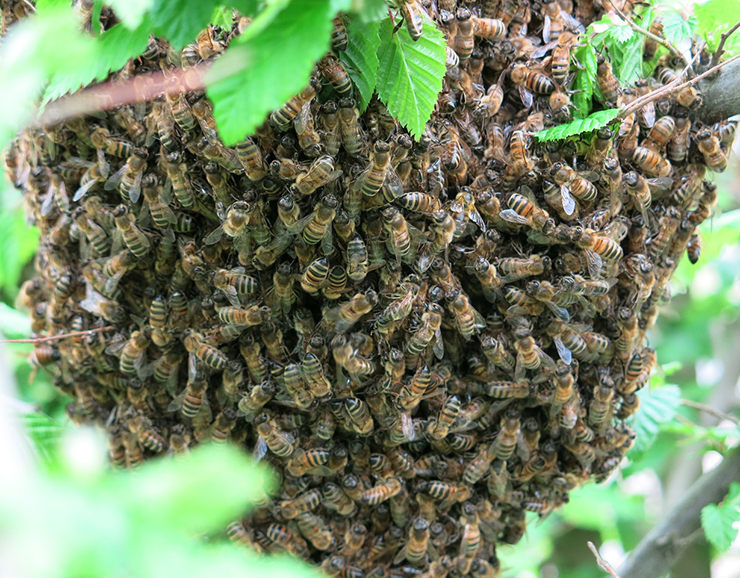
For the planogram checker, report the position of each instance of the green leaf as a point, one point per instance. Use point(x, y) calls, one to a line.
point(14, 324)
point(244, 7)
point(592, 122)
point(629, 68)
point(621, 33)
point(179, 21)
point(95, 18)
point(113, 49)
point(361, 58)
point(369, 10)
point(181, 494)
point(45, 434)
point(657, 406)
point(717, 523)
point(715, 17)
point(410, 73)
point(131, 12)
point(259, 74)
point(585, 80)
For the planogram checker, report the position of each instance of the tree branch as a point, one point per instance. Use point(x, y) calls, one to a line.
point(663, 545)
point(721, 48)
point(721, 94)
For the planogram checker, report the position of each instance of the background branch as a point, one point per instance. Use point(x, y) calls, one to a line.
point(664, 544)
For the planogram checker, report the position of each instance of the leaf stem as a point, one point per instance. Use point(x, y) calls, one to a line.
point(603, 564)
point(710, 410)
point(60, 336)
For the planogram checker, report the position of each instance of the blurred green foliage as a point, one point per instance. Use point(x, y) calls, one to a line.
point(83, 520)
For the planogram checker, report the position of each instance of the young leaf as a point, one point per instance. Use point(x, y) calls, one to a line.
point(717, 523)
point(657, 406)
point(585, 80)
point(369, 10)
point(629, 67)
point(361, 58)
point(410, 73)
point(259, 74)
point(179, 21)
point(592, 122)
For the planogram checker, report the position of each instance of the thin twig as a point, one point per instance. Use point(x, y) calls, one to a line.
point(142, 87)
point(721, 48)
point(710, 410)
point(603, 564)
point(60, 336)
point(645, 32)
point(670, 88)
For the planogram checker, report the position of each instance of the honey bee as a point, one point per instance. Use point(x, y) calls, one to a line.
point(381, 492)
point(489, 28)
point(250, 156)
point(650, 162)
point(349, 127)
point(333, 71)
point(319, 174)
point(102, 140)
point(283, 117)
point(561, 53)
point(280, 443)
point(209, 355)
point(531, 81)
point(523, 211)
point(315, 530)
point(709, 146)
point(315, 275)
point(440, 426)
point(136, 241)
point(463, 39)
point(693, 249)
point(413, 14)
point(254, 315)
point(638, 189)
point(608, 83)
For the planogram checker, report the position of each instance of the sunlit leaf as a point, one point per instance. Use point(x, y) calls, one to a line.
point(715, 17)
point(361, 58)
point(131, 12)
point(590, 123)
point(179, 21)
point(585, 81)
point(410, 73)
point(273, 65)
point(717, 523)
point(657, 406)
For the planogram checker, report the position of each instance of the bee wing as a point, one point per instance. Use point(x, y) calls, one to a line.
point(48, 203)
point(176, 403)
point(594, 264)
point(82, 191)
point(542, 50)
point(135, 191)
point(547, 27)
point(407, 426)
point(166, 192)
point(327, 246)
point(571, 22)
point(660, 184)
point(512, 216)
point(116, 347)
point(438, 347)
point(260, 449)
point(474, 216)
point(564, 353)
point(569, 203)
point(214, 236)
point(115, 179)
point(300, 224)
point(559, 312)
point(243, 243)
point(231, 295)
point(648, 112)
point(112, 282)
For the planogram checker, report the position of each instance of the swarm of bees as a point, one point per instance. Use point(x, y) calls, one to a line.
point(426, 340)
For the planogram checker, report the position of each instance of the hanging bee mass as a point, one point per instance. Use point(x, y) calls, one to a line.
point(425, 340)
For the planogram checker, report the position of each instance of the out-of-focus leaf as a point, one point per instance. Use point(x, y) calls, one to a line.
point(361, 58)
point(131, 12)
point(181, 494)
point(13, 324)
point(45, 434)
point(657, 406)
point(260, 73)
point(715, 17)
point(410, 73)
point(717, 523)
point(590, 123)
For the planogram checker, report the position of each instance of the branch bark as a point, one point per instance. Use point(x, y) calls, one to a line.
point(664, 544)
point(721, 94)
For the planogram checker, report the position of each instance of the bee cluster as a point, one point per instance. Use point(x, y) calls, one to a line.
point(426, 340)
